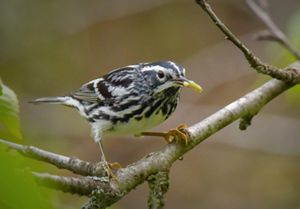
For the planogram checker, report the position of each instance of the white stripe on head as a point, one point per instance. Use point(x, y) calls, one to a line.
point(153, 67)
point(177, 68)
point(169, 67)
point(133, 66)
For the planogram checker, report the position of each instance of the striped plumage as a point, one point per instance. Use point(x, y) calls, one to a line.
point(128, 100)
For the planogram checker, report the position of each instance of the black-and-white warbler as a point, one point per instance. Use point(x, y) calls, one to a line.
point(128, 100)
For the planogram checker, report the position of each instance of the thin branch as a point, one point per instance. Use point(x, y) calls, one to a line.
point(275, 34)
point(73, 185)
point(285, 75)
point(158, 185)
point(266, 35)
point(254, 61)
point(70, 163)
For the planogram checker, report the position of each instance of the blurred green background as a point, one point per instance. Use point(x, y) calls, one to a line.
point(50, 48)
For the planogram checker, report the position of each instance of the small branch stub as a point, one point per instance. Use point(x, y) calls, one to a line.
point(245, 122)
point(158, 184)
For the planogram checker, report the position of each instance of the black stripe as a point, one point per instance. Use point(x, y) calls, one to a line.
point(127, 105)
point(154, 107)
point(122, 82)
point(173, 106)
point(93, 107)
point(103, 89)
point(91, 120)
point(101, 115)
point(90, 86)
point(169, 97)
point(128, 116)
point(164, 107)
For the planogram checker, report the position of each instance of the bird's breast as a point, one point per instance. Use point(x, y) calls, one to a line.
point(144, 115)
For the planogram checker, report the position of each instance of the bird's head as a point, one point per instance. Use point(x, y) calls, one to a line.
point(165, 74)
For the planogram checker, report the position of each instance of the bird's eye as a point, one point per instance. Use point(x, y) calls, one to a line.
point(160, 74)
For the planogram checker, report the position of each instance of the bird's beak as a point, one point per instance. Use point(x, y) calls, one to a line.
point(189, 84)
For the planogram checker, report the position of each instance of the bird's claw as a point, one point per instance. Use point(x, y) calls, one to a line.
point(115, 165)
point(178, 134)
point(108, 167)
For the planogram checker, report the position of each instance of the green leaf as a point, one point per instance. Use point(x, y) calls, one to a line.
point(9, 114)
point(0, 86)
point(18, 189)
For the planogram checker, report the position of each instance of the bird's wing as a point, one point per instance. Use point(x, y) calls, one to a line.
point(88, 92)
point(114, 84)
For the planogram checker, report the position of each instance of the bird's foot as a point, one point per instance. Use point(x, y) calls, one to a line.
point(109, 167)
point(178, 134)
point(115, 165)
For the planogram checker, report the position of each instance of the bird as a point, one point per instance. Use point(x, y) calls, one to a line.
point(129, 100)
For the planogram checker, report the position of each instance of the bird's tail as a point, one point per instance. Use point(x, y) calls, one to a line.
point(52, 100)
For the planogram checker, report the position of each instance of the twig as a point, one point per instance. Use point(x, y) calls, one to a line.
point(158, 185)
point(265, 35)
point(254, 61)
point(284, 75)
point(275, 34)
point(70, 163)
point(73, 185)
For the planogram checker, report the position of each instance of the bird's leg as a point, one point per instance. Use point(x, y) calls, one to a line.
point(178, 134)
point(108, 166)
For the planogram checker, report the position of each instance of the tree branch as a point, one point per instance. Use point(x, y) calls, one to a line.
point(284, 75)
point(72, 164)
point(158, 185)
point(273, 33)
point(73, 185)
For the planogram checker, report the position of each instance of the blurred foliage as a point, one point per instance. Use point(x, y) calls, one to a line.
point(9, 110)
point(283, 58)
point(294, 32)
point(0, 87)
point(17, 186)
